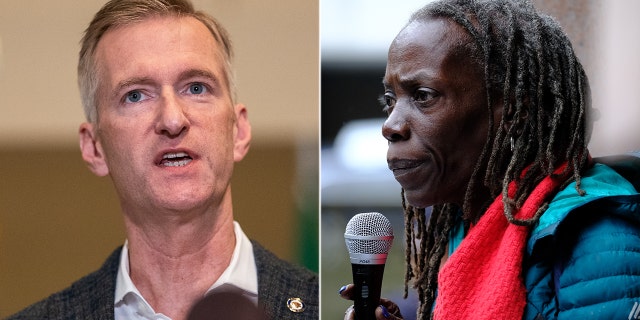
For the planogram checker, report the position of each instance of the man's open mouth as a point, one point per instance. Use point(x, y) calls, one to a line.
point(175, 159)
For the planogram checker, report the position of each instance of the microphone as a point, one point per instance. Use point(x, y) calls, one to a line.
point(368, 237)
point(226, 304)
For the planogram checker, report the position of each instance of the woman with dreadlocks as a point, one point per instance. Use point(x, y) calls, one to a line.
point(488, 124)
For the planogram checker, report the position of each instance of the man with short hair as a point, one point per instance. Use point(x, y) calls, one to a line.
point(163, 123)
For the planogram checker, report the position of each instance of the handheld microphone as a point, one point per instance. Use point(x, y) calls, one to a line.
point(368, 237)
point(226, 304)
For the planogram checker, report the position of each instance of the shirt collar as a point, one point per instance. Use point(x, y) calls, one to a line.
point(241, 272)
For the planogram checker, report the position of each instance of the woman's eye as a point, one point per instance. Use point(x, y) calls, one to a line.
point(424, 95)
point(388, 101)
point(197, 88)
point(134, 96)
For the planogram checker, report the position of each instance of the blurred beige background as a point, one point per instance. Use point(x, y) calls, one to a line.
point(604, 36)
point(58, 222)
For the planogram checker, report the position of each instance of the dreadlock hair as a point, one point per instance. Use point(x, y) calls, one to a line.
point(531, 71)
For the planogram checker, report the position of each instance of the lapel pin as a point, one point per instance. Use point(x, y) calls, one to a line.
point(295, 305)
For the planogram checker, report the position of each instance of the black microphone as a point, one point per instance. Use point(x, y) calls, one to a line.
point(368, 237)
point(226, 304)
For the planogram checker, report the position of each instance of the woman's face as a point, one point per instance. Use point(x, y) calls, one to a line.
point(438, 118)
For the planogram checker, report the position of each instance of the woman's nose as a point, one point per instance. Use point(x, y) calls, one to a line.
point(396, 127)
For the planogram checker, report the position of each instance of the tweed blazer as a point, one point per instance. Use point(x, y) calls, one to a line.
point(92, 297)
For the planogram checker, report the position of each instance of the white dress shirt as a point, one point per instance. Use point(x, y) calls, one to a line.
point(241, 274)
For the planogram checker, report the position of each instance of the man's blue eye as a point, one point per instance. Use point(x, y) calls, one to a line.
point(197, 88)
point(134, 96)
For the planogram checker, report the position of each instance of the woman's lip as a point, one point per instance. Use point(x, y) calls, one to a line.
point(403, 166)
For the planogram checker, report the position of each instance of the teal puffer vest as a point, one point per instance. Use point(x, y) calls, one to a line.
point(583, 258)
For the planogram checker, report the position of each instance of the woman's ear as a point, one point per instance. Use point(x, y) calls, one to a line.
point(514, 118)
point(91, 150)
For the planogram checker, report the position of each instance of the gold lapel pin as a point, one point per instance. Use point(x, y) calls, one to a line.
point(295, 305)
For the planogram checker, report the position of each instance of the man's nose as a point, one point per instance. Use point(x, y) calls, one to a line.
point(172, 118)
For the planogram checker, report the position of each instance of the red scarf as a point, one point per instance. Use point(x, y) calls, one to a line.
point(483, 278)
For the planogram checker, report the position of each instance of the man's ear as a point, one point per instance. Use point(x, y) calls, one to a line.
point(91, 150)
point(242, 135)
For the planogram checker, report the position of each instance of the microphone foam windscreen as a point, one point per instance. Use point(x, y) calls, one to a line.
point(369, 233)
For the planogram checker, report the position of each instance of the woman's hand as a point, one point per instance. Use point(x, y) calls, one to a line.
point(386, 310)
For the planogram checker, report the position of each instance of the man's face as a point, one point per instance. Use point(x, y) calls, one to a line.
point(167, 132)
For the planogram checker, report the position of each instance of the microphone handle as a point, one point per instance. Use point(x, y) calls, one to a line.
point(367, 279)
